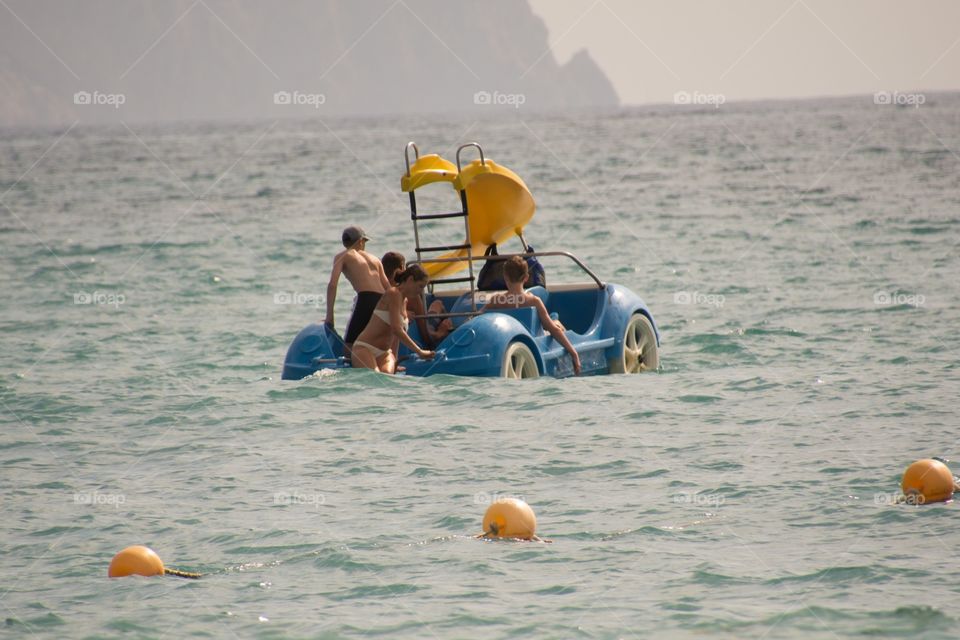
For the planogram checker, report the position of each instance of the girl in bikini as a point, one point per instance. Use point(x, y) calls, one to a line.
point(431, 330)
point(376, 346)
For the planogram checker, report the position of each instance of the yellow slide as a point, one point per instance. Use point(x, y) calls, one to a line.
point(499, 203)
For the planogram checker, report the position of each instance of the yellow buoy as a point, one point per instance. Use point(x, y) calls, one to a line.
point(136, 560)
point(510, 518)
point(927, 480)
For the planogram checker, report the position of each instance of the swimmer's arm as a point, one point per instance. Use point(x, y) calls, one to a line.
point(558, 334)
point(383, 276)
point(332, 289)
point(395, 302)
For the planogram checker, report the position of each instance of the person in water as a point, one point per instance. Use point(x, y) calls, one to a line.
point(432, 330)
point(515, 273)
point(376, 346)
point(365, 273)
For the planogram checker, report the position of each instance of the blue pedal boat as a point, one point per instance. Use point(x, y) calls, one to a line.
point(611, 328)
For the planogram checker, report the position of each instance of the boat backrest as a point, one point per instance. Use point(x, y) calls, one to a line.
point(527, 316)
point(462, 304)
point(578, 308)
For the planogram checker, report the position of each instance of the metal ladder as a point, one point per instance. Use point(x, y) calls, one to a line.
point(464, 213)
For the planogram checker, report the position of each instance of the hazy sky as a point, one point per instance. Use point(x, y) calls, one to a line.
point(230, 59)
point(748, 49)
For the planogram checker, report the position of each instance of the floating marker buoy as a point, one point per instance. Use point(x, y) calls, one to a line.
point(510, 518)
point(136, 560)
point(142, 561)
point(927, 480)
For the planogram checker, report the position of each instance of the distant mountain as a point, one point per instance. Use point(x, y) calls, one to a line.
point(163, 60)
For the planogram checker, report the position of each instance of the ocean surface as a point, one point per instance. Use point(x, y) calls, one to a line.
point(800, 258)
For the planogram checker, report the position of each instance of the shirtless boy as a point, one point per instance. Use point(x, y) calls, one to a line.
point(365, 273)
point(515, 272)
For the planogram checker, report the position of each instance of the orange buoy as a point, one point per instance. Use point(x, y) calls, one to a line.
point(510, 518)
point(927, 480)
point(136, 560)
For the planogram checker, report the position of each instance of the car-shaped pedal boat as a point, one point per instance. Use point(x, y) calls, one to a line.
point(608, 325)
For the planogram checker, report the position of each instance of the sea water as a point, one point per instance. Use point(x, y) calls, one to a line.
point(800, 258)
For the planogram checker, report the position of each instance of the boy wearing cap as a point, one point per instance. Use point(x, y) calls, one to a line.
point(365, 273)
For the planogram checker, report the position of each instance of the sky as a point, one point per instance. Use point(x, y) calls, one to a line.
point(173, 60)
point(756, 49)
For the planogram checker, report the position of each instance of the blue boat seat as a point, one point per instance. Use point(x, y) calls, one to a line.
point(527, 316)
point(462, 304)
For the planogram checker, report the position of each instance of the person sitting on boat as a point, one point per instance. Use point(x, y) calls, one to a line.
point(491, 275)
point(364, 271)
point(432, 330)
point(515, 272)
point(376, 346)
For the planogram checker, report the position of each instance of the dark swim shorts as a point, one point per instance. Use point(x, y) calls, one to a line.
point(362, 311)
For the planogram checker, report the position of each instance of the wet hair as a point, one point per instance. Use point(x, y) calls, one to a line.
point(392, 261)
point(516, 269)
point(414, 271)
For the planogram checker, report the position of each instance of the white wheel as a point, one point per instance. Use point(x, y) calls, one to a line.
point(518, 362)
point(639, 348)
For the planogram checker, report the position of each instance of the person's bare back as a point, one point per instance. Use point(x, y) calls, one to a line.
point(364, 272)
point(361, 269)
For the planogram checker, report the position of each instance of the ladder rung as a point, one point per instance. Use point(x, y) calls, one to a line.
point(444, 247)
point(450, 280)
point(437, 216)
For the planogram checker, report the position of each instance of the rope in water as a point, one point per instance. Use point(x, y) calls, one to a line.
point(181, 574)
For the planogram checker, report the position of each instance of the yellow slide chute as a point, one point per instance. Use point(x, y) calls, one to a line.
point(499, 204)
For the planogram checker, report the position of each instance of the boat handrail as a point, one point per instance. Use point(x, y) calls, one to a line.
point(406, 154)
point(535, 254)
point(470, 144)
